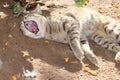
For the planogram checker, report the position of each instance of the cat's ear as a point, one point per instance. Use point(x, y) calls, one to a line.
point(38, 9)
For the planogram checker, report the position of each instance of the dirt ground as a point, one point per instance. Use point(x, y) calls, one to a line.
point(47, 59)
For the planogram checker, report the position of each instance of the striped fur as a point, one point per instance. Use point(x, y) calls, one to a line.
point(75, 28)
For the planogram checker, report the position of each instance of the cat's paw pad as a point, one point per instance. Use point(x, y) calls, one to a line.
point(117, 57)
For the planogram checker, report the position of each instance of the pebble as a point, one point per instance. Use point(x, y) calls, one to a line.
point(5, 5)
point(10, 36)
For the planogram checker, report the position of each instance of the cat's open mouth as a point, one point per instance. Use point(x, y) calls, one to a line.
point(31, 26)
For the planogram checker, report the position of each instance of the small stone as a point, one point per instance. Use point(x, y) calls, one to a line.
point(5, 5)
point(10, 36)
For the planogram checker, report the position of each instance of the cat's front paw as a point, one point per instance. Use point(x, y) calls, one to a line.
point(93, 59)
point(117, 57)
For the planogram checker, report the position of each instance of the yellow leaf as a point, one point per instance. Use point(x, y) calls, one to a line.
point(53, 5)
point(14, 77)
point(114, 4)
point(6, 43)
point(94, 73)
point(46, 42)
point(25, 53)
point(66, 59)
point(101, 10)
point(85, 69)
point(87, 65)
point(118, 15)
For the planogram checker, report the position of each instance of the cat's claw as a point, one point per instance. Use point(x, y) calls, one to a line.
point(117, 57)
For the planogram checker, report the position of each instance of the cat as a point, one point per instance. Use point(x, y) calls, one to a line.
point(75, 27)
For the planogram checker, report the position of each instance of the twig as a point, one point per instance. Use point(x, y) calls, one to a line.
point(26, 6)
point(22, 9)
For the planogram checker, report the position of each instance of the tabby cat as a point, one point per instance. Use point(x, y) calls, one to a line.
point(75, 27)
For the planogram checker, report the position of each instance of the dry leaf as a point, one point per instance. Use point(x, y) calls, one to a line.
point(87, 65)
point(14, 77)
point(92, 72)
point(46, 42)
point(66, 59)
point(53, 5)
point(85, 69)
point(114, 4)
point(118, 15)
point(6, 43)
point(101, 10)
point(25, 53)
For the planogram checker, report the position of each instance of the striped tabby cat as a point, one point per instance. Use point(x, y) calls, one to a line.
point(75, 27)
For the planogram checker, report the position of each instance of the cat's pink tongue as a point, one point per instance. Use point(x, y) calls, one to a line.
point(34, 28)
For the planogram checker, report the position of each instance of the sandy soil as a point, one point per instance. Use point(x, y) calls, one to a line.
point(47, 59)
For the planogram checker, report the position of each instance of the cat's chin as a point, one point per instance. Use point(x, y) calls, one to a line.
point(32, 35)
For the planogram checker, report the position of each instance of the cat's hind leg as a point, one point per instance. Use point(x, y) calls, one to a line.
point(106, 42)
point(89, 53)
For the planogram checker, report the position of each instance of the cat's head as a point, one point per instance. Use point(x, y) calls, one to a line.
point(33, 24)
